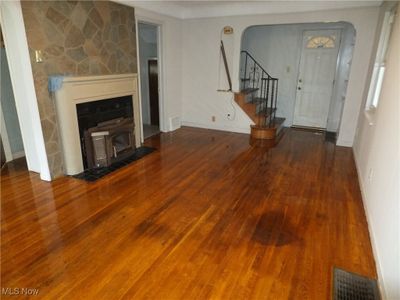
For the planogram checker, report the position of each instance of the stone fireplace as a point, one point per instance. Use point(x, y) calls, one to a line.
point(98, 119)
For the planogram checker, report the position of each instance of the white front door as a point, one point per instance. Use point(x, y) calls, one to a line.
point(316, 77)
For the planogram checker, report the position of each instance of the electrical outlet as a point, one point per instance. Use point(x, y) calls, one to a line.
point(229, 115)
point(38, 56)
point(213, 118)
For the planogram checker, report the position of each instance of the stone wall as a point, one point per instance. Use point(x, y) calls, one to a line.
point(76, 38)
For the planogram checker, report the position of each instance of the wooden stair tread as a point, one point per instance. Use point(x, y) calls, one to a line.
point(266, 111)
point(266, 132)
point(277, 123)
point(257, 100)
point(249, 90)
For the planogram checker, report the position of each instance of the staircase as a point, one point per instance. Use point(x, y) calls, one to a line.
point(258, 98)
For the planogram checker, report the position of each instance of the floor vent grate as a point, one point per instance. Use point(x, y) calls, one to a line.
point(349, 286)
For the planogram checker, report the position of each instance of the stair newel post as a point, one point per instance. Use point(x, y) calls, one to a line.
point(245, 70)
point(262, 91)
point(258, 107)
point(254, 75)
point(257, 103)
point(272, 99)
point(276, 97)
point(266, 86)
point(266, 91)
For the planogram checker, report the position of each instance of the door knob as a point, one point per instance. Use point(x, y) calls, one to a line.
point(299, 88)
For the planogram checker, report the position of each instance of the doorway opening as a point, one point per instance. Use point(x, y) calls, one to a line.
point(12, 147)
point(149, 59)
point(312, 62)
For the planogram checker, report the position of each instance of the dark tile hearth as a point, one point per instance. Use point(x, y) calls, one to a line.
point(92, 175)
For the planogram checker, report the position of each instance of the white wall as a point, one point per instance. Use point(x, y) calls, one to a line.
point(201, 59)
point(147, 49)
point(377, 155)
point(13, 28)
point(170, 66)
point(200, 82)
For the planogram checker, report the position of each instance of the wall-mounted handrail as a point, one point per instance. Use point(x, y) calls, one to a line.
point(226, 65)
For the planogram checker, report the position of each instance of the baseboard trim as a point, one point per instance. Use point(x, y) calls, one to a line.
point(344, 143)
point(18, 154)
point(217, 127)
point(371, 233)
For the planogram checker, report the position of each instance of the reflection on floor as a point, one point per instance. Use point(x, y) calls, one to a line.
point(150, 130)
point(14, 166)
point(206, 216)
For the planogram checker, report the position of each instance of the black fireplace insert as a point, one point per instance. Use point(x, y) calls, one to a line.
point(91, 114)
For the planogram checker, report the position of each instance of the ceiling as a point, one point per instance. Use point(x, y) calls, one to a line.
point(206, 8)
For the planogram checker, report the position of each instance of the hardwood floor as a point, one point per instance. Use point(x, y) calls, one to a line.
point(205, 217)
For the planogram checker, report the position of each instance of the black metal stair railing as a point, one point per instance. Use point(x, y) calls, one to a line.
point(254, 76)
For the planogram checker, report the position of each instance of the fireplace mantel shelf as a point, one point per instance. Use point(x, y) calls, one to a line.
point(81, 79)
point(82, 89)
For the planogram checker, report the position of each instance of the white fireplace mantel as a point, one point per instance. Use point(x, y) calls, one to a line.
point(77, 90)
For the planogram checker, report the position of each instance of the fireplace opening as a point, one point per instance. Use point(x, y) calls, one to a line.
point(106, 130)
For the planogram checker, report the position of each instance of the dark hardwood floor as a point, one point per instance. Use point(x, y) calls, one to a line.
point(206, 216)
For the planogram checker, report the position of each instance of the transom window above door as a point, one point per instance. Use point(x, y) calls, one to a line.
point(321, 42)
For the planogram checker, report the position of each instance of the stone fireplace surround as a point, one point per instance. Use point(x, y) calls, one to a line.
point(83, 89)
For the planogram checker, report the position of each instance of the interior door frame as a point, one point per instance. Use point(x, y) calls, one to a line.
point(301, 44)
point(19, 63)
point(160, 54)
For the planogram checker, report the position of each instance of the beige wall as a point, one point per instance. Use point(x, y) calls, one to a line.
point(377, 155)
point(76, 38)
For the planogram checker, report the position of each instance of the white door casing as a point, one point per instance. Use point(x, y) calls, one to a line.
point(142, 17)
point(316, 77)
point(12, 24)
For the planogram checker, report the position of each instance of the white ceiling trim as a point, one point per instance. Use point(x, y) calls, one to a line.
point(206, 9)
